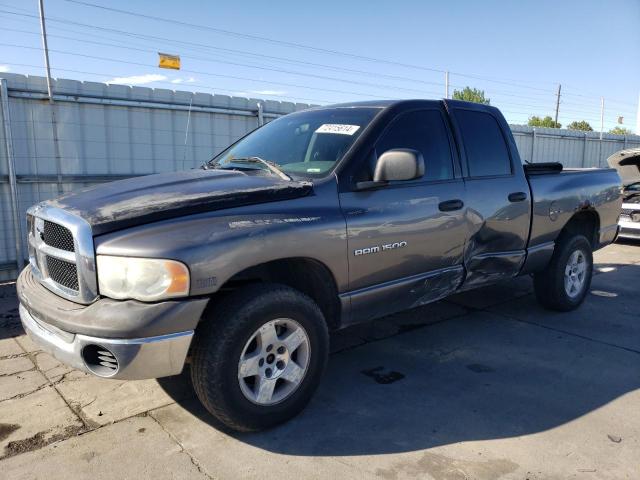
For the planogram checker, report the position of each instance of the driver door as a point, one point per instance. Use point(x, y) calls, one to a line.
point(406, 239)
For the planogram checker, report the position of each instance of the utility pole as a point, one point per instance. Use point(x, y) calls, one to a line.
point(54, 126)
point(446, 84)
point(638, 117)
point(601, 129)
point(558, 102)
point(45, 48)
point(601, 116)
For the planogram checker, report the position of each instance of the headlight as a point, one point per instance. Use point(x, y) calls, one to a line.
point(145, 279)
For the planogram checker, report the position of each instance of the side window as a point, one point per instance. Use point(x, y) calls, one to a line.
point(487, 153)
point(425, 131)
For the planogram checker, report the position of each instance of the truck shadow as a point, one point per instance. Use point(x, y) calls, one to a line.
point(628, 241)
point(501, 370)
point(9, 317)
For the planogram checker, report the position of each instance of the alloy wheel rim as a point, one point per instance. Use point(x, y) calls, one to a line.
point(575, 274)
point(274, 361)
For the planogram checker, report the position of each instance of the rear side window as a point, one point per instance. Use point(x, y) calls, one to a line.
point(487, 153)
point(426, 132)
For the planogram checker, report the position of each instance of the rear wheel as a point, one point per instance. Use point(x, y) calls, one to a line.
point(564, 283)
point(259, 356)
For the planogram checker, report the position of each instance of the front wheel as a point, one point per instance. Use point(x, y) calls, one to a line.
point(259, 356)
point(564, 283)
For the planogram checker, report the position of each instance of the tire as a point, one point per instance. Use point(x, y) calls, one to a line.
point(550, 288)
point(239, 327)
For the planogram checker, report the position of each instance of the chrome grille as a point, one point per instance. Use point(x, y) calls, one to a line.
point(31, 228)
point(61, 253)
point(64, 273)
point(58, 236)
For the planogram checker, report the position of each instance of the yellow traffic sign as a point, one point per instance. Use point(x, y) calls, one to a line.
point(169, 61)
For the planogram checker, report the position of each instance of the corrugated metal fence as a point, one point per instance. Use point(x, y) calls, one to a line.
point(569, 147)
point(106, 132)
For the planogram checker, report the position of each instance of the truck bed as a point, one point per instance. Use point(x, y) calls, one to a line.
point(558, 195)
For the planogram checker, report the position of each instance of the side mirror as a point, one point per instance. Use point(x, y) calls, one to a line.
point(399, 164)
point(396, 164)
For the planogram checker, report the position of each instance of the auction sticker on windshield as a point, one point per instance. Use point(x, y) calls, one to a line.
point(338, 128)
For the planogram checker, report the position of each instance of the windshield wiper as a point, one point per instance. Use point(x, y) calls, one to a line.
point(271, 166)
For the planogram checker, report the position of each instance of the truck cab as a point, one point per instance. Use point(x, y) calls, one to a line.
point(465, 220)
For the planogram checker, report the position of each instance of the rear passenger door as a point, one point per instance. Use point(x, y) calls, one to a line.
point(498, 200)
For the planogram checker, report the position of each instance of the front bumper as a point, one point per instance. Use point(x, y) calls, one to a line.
point(629, 230)
point(107, 318)
point(142, 340)
point(136, 358)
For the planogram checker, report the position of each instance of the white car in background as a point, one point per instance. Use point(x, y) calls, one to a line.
point(627, 163)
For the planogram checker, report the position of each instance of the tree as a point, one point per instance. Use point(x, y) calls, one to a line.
point(581, 125)
point(469, 94)
point(620, 131)
point(543, 122)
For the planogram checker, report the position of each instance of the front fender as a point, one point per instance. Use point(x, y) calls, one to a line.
point(217, 245)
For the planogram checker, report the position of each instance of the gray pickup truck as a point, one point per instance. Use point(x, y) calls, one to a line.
point(316, 221)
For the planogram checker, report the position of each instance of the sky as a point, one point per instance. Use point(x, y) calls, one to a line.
point(335, 51)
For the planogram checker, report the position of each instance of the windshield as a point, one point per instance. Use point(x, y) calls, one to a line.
point(305, 143)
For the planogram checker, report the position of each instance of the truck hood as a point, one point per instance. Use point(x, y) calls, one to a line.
point(627, 163)
point(125, 203)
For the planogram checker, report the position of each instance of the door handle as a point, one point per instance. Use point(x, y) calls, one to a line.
point(450, 205)
point(517, 197)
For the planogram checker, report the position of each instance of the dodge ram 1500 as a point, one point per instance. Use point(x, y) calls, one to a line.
point(313, 222)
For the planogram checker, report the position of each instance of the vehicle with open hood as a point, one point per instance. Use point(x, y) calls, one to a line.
point(627, 163)
point(316, 221)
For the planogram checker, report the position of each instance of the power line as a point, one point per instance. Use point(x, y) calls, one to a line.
point(244, 52)
point(612, 100)
point(129, 47)
point(365, 72)
point(479, 77)
point(280, 84)
point(145, 37)
point(197, 72)
point(289, 44)
point(235, 77)
point(594, 95)
point(290, 72)
point(505, 106)
point(251, 36)
point(293, 44)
